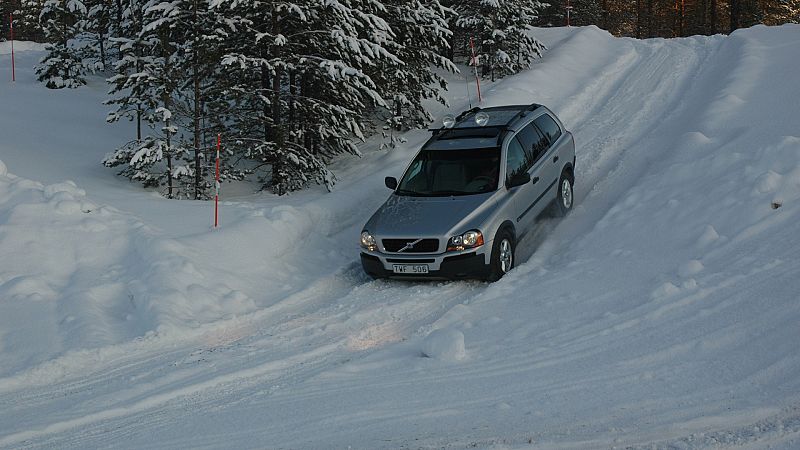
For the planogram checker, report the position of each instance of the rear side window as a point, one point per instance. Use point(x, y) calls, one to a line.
point(534, 143)
point(548, 126)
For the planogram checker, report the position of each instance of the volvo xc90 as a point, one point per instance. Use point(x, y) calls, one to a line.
point(474, 189)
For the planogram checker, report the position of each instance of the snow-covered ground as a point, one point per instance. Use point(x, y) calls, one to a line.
point(664, 311)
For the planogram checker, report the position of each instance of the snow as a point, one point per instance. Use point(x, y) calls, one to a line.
point(446, 345)
point(662, 312)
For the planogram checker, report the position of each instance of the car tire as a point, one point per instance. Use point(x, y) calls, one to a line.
point(566, 196)
point(502, 255)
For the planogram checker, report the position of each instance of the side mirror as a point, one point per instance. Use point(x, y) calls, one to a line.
point(518, 180)
point(391, 182)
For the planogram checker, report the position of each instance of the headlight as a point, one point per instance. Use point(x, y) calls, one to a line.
point(470, 239)
point(368, 241)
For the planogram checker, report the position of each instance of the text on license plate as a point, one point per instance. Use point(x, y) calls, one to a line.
point(410, 268)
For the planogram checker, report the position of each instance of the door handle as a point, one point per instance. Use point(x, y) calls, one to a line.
point(535, 180)
point(555, 158)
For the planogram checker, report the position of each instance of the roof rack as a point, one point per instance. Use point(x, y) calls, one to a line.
point(502, 127)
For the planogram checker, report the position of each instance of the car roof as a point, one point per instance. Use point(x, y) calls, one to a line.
point(467, 134)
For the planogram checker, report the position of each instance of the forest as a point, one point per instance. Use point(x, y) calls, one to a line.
point(293, 85)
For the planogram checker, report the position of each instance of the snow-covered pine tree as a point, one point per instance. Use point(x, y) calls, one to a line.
point(63, 65)
point(501, 29)
point(130, 97)
point(198, 32)
point(26, 19)
point(97, 28)
point(165, 76)
point(420, 36)
point(145, 88)
point(301, 81)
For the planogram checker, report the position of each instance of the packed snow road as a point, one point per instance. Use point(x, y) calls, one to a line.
point(663, 311)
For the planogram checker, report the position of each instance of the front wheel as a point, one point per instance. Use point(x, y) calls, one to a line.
point(502, 255)
point(565, 194)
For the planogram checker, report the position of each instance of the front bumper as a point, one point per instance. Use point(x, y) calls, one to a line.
point(442, 267)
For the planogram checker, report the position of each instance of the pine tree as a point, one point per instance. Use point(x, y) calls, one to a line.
point(303, 86)
point(97, 28)
point(63, 65)
point(420, 34)
point(501, 29)
point(131, 100)
point(145, 87)
point(166, 76)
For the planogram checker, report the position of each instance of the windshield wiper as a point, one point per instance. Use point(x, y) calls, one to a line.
point(448, 193)
point(410, 193)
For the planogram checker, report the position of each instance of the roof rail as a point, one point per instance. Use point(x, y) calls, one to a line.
point(523, 111)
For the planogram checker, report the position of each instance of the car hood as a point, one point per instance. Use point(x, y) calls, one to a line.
point(406, 216)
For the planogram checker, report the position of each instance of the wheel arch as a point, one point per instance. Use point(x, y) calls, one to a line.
point(508, 225)
point(570, 170)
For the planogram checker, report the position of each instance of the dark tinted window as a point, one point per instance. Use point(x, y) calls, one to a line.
point(548, 126)
point(516, 161)
point(534, 143)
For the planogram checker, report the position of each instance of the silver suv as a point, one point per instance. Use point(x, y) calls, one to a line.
point(470, 194)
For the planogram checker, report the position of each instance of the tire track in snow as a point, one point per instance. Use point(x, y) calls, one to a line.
point(335, 330)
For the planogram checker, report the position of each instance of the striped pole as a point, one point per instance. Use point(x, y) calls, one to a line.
point(475, 64)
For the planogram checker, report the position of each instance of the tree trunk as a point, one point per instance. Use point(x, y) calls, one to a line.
point(198, 151)
point(276, 120)
point(166, 101)
point(292, 94)
point(265, 87)
point(101, 39)
point(305, 91)
point(735, 8)
point(704, 16)
point(713, 19)
point(169, 161)
point(277, 131)
point(639, 19)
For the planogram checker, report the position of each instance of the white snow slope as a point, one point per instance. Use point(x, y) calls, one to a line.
point(663, 312)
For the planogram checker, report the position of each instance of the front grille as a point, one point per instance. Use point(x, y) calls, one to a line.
point(411, 260)
point(423, 246)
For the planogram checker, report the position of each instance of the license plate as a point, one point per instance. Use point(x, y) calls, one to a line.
point(410, 268)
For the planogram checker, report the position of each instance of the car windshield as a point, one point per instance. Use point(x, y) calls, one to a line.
point(441, 173)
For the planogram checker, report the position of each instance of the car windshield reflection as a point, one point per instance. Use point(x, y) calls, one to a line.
point(445, 173)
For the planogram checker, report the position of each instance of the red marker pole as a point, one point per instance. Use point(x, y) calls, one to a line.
point(569, 11)
point(216, 195)
point(13, 66)
point(475, 65)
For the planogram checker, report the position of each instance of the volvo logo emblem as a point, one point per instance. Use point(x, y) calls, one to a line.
point(409, 246)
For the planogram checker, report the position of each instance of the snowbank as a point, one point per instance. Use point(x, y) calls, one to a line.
point(20, 46)
point(88, 276)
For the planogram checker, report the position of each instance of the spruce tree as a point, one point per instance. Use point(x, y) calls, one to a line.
point(501, 31)
point(26, 19)
point(303, 79)
point(420, 35)
point(63, 66)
